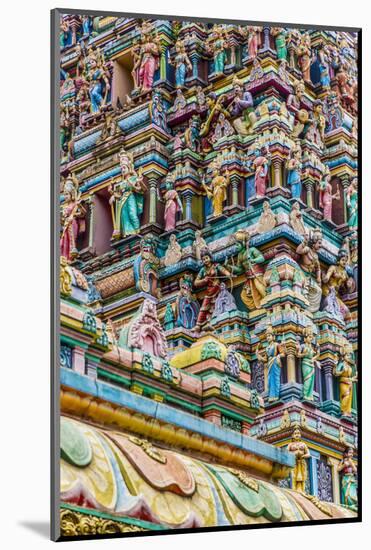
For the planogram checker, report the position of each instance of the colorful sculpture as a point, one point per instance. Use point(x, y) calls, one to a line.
point(173, 253)
point(249, 260)
point(337, 280)
point(224, 303)
point(326, 196)
point(303, 51)
point(345, 371)
point(261, 168)
point(220, 122)
point(308, 251)
point(187, 306)
point(173, 204)
point(210, 275)
point(217, 46)
point(242, 107)
point(73, 214)
point(146, 266)
point(296, 219)
point(267, 221)
point(301, 452)
point(349, 485)
point(309, 355)
point(127, 198)
point(294, 167)
point(279, 35)
point(199, 244)
point(217, 191)
point(181, 63)
point(146, 57)
point(272, 355)
point(352, 204)
point(97, 75)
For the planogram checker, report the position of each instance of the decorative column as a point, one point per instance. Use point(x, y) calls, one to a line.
point(78, 360)
point(91, 204)
point(235, 179)
point(329, 388)
point(334, 463)
point(309, 187)
point(266, 42)
point(194, 57)
point(152, 180)
point(345, 184)
point(163, 61)
point(313, 460)
point(277, 172)
point(188, 205)
point(291, 370)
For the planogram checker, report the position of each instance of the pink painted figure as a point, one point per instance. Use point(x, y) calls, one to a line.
point(261, 167)
point(253, 42)
point(72, 219)
point(326, 196)
point(148, 59)
point(173, 204)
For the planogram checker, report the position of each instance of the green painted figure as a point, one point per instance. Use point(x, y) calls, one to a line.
point(127, 198)
point(309, 358)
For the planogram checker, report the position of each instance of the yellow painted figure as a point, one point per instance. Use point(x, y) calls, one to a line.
point(217, 192)
point(344, 371)
point(301, 451)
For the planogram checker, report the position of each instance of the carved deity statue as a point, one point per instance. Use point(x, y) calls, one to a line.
point(271, 356)
point(301, 452)
point(345, 370)
point(349, 485)
point(146, 58)
point(217, 45)
point(187, 306)
point(224, 302)
point(335, 281)
point(261, 167)
point(326, 196)
point(296, 219)
point(173, 254)
point(309, 355)
point(308, 252)
point(98, 77)
point(267, 221)
point(352, 204)
point(210, 275)
point(242, 107)
point(252, 34)
point(146, 266)
point(249, 260)
point(217, 190)
point(303, 51)
point(173, 204)
point(181, 62)
point(294, 166)
point(279, 35)
point(73, 214)
point(198, 244)
point(127, 198)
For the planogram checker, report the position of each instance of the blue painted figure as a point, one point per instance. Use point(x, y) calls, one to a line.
point(181, 63)
point(187, 306)
point(272, 357)
point(294, 174)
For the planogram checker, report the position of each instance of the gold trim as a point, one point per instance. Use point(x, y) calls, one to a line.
point(75, 524)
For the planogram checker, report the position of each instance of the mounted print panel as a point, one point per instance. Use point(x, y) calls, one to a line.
point(207, 203)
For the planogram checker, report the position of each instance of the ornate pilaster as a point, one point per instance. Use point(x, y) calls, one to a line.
point(334, 463)
point(78, 359)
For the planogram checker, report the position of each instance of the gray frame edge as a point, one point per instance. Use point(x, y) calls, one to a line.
point(54, 281)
